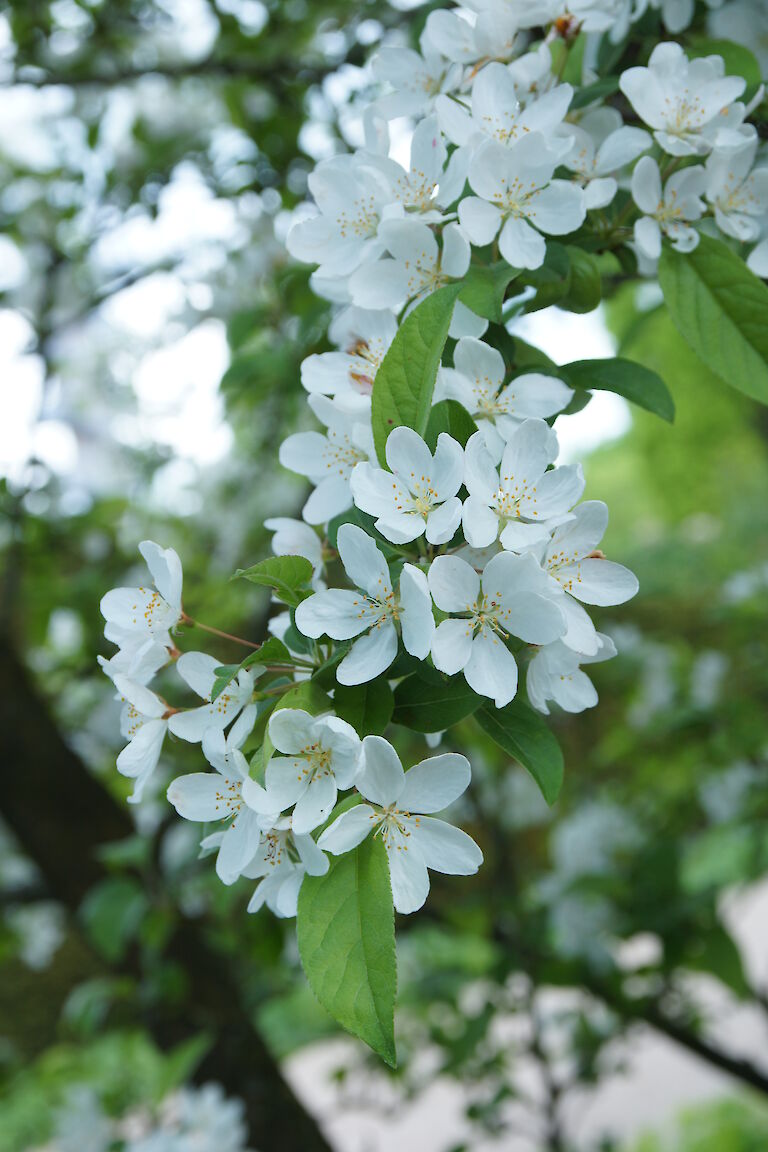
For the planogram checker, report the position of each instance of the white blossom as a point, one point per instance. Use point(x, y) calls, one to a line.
point(602, 146)
point(477, 382)
point(418, 496)
point(198, 669)
point(143, 723)
point(219, 796)
point(496, 111)
point(351, 197)
point(281, 862)
point(363, 338)
point(554, 673)
point(327, 459)
point(415, 267)
point(139, 620)
point(415, 79)
point(518, 200)
point(521, 500)
point(399, 810)
point(681, 99)
point(738, 195)
point(370, 614)
point(513, 598)
point(669, 212)
point(573, 560)
point(320, 756)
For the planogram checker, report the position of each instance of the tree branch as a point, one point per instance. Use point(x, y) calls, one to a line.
point(62, 817)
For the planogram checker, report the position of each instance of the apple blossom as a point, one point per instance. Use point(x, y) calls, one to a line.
point(517, 199)
point(667, 213)
point(477, 382)
point(221, 796)
point(297, 538)
point(198, 669)
point(602, 146)
point(143, 723)
point(399, 810)
point(282, 860)
point(737, 193)
point(370, 614)
point(554, 673)
point(320, 755)
point(681, 98)
point(363, 338)
point(328, 459)
point(418, 496)
point(513, 598)
point(139, 620)
point(416, 265)
point(520, 500)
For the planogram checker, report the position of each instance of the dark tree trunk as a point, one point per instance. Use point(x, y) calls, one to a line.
point(62, 816)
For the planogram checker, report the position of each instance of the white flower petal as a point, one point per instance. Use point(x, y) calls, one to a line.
point(369, 656)
point(492, 670)
point(416, 620)
point(348, 830)
point(433, 784)
point(446, 848)
point(409, 877)
point(452, 645)
point(382, 778)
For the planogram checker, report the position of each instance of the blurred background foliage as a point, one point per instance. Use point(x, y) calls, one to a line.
point(150, 153)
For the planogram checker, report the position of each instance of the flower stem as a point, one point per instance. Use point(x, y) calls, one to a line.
point(218, 632)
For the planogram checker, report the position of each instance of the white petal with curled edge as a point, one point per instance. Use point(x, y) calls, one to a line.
point(331, 497)
point(291, 730)
point(443, 522)
point(335, 612)
point(198, 796)
point(521, 245)
point(139, 758)
point(369, 656)
point(198, 669)
point(314, 860)
point(315, 805)
point(559, 208)
point(363, 562)
point(581, 635)
point(446, 848)
point(433, 784)
point(603, 582)
point(454, 584)
point(143, 699)
point(165, 566)
point(238, 846)
point(416, 620)
point(382, 778)
point(579, 536)
point(137, 610)
point(492, 670)
point(452, 645)
point(349, 830)
point(285, 782)
point(480, 523)
point(409, 877)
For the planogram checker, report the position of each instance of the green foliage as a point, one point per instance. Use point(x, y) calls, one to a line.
point(435, 704)
point(721, 308)
point(405, 381)
point(728, 1125)
point(346, 933)
point(272, 651)
point(585, 289)
point(525, 735)
point(287, 576)
point(632, 381)
point(367, 707)
point(738, 59)
point(112, 914)
point(552, 280)
point(451, 417)
point(483, 289)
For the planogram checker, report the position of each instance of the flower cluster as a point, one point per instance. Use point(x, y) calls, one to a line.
point(464, 556)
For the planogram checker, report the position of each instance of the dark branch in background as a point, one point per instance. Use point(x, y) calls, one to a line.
point(278, 73)
point(62, 817)
point(641, 1011)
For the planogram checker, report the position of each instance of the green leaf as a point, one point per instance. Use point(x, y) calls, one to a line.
point(483, 289)
point(524, 734)
point(451, 417)
point(433, 705)
point(586, 288)
point(633, 381)
point(721, 309)
point(112, 913)
point(405, 381)
point(552, 280)
point(346, 933)
point(367, 707)
point(597, 91)
point(288, 576)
